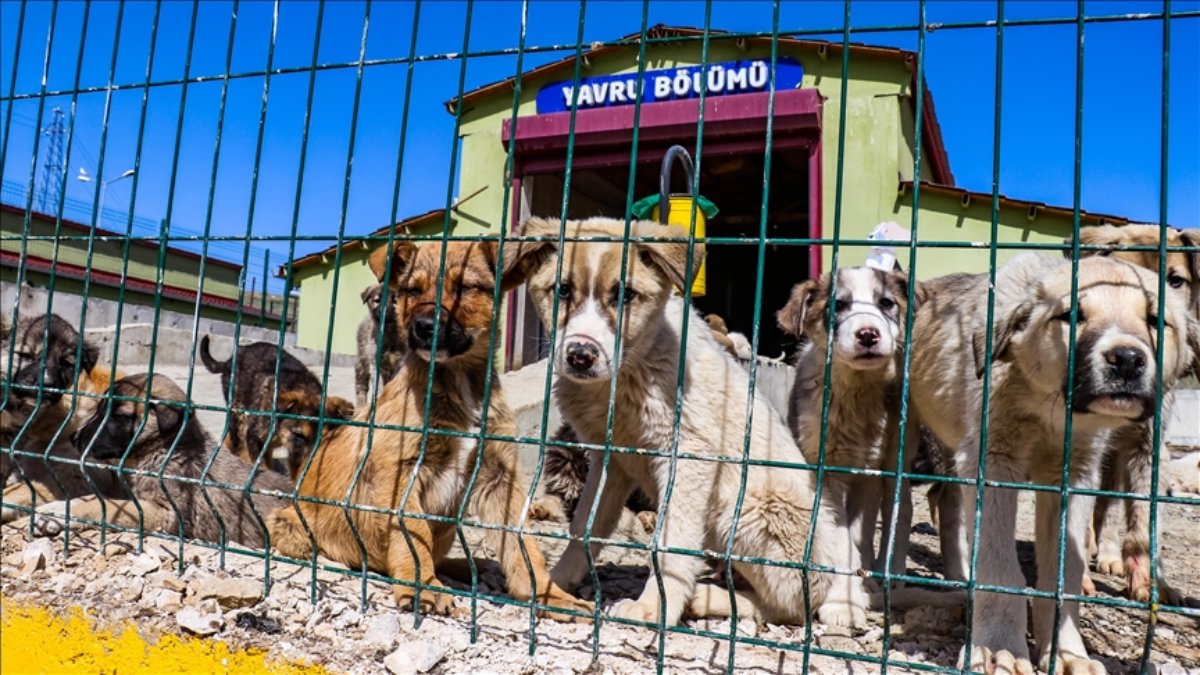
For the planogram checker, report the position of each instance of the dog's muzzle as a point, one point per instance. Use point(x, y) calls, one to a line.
point(451, 338)
point(581, 356)
point(1116, 384)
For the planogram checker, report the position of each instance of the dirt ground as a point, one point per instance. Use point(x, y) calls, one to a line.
point(344, 633)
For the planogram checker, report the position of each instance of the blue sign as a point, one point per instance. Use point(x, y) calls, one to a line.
point(671, 84)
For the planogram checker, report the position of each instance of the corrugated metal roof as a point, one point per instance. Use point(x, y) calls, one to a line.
point(1086, 217)
point(319, 256)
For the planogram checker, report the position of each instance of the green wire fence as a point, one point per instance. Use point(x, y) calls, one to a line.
point(209, 246)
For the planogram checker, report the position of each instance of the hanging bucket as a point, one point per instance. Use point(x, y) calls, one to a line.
point(678, 209)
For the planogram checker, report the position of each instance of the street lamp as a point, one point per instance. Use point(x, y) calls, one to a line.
point(85, 177)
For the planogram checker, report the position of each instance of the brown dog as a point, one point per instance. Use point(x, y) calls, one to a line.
point(56, 384)
point(254, 399)
point(162, 435)
point(1128, 466)
point(437, 468)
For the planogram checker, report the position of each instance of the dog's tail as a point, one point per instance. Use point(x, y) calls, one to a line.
point(212, 364)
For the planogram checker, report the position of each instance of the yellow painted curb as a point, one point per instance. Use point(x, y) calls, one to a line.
point(36, 640)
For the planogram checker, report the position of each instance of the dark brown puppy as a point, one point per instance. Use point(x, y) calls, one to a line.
point(369, 341)
point(164, 436)
point(56, 383)
point(375, 467)
point(254, 394)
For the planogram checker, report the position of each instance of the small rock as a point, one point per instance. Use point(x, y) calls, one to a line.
point(132, 590)
point(875, 634)
point(1168, 668)
point(325, 632)
point(143, 564)
point(168, 600)
point(838, 643)
point(203, 619)
point(418, 656)
point(35, 556)
point(235, 593)
point(381, 631)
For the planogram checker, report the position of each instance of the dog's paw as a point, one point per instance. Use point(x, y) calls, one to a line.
point(432, 602)
point(1110, 563)
point(648, 519)
point(1136, 570)
point(1089, 586)
point(998, 662)
point(839, 613)
point(635, 610)
point(546, 508)
point(50, 519)
point(1070, 664)
point(560, 599)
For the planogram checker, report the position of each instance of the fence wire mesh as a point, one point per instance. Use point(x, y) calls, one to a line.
point(167, 288)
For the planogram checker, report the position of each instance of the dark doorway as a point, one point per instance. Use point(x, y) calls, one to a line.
point(734, 182)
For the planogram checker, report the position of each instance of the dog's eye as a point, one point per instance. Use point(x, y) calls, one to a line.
point(840, 306)
point(630, 295)
point(1066, 316)
point(1152, 321)
point(886, 304)
point(1176, 281)
point(411, 291)
point(565, 291)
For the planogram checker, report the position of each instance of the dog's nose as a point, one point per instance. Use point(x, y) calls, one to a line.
point(582, 355)
point(1126, 363)
point(422, 331)
point(867, 337)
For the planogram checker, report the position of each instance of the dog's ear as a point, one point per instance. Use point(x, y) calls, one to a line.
point(919, 294)
point(89, 356)
point(1093, 235)
point(402, 254)
point(1192, 366)
point(168, 419)
point(791, 318)
point(521, 258)
point(1193, 257)
point(366, 293)
point(338, 408)
point(291, 401)
point(1002, 333)
point(670, 257)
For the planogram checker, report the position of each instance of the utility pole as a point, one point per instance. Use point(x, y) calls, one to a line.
point(52, 171)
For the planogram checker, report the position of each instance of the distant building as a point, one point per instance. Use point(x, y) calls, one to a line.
point(877, 169)
point(118, 268)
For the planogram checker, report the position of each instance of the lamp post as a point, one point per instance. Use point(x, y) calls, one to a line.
point(85, 177)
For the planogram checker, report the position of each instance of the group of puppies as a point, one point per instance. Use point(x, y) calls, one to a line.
point(722, 469)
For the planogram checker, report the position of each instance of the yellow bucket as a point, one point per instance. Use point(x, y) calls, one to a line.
point(680, 215)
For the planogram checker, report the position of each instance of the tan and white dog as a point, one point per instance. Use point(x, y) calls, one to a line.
point(1128, 466)
point(869, 313)
point(699, 511)
point(1112, 387)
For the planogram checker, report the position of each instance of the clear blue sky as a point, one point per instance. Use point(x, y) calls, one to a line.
point(1122, 95)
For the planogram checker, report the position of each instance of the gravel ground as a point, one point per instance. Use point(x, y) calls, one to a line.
point(341, 633)
point(222, 598)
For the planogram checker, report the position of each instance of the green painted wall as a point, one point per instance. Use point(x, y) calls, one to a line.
point(107, 256)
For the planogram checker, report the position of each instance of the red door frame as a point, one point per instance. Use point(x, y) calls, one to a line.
point(733, 125)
